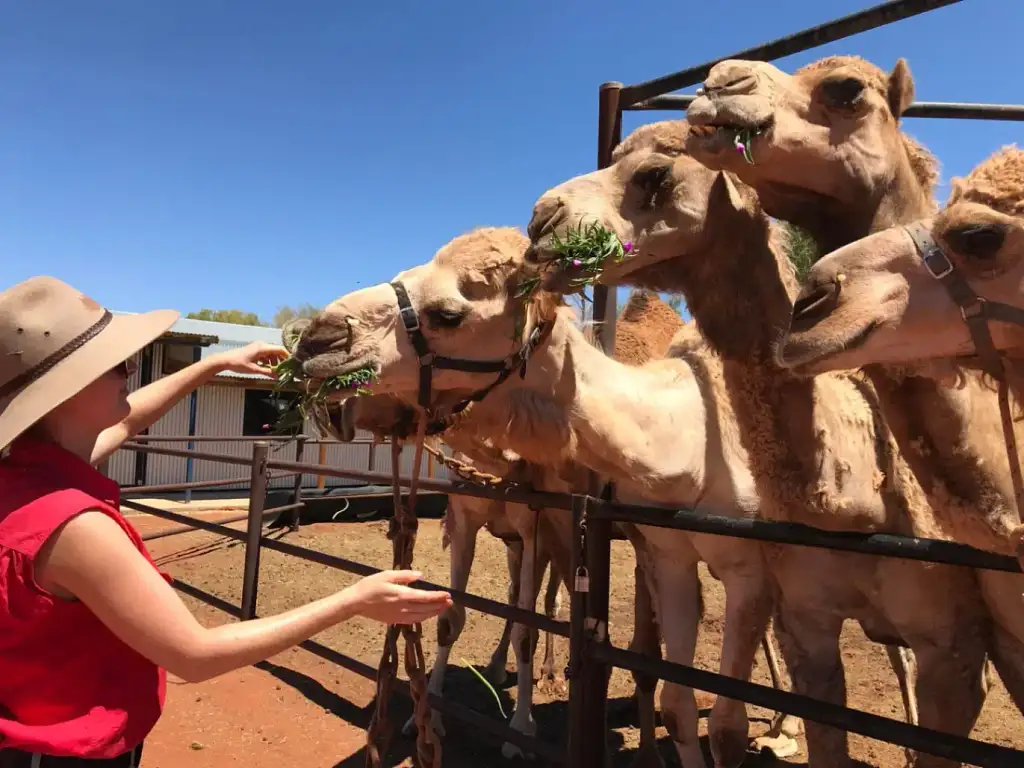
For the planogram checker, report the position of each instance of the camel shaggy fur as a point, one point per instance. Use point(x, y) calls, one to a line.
point(819, 449)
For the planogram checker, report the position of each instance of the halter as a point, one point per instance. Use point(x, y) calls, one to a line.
point(977, 312)
point(429, 361)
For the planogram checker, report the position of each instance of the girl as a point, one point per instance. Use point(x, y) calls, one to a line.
point(88, 625)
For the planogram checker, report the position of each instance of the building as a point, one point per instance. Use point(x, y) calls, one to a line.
point(233, 404)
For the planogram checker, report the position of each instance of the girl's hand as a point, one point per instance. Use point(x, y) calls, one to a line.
point(385, 597)
point(256, 357)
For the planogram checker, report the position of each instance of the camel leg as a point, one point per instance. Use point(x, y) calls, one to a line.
point(809, 641)
point(464, 529)
point(552, 605)
point(949, 638)
point(780, 738)
point(646, 641)
point(678, 593)
point(522, 636)
point(749, 597)
point(496, 671)
point(1002, 593)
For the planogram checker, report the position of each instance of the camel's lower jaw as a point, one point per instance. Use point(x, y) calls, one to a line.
point(805, 355)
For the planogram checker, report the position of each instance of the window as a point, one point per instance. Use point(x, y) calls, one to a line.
point(263, 408)
point(178, 356)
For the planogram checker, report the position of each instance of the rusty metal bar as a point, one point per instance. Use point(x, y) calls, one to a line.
point(163, 487)
point(213, 438)
point(254, 532)
point(550, 500)
point(475, 602)
point(226, 521)
point(500, 732)
point(926, 740)
point(930, 109)
point(813, 37)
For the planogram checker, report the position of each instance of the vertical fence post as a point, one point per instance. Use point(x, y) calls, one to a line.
point(300, 450)
point(257, 499)
point(590, 742)
point(577, 639)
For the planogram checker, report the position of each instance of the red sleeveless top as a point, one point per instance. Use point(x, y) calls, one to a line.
point(68, 685)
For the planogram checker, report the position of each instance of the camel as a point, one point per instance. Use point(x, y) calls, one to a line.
point(644, 329)
point(829, 155)
point(820, 453)
point(875, 301)
point(652, 429)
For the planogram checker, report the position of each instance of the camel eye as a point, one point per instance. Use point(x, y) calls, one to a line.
point(842, 93)
point(651, 179)
point(976, 241)
point(439, 317)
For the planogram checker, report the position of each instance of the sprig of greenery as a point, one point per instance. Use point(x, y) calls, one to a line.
point(743, 139)
point(586, 248)
point(489, 687)
point(288, 374)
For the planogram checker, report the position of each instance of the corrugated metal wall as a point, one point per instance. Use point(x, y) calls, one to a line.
point(122, 464)
point(219, 412)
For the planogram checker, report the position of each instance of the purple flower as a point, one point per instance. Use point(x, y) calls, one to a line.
point(266, 426)
point(627, 246)
point(740, 146)
point(576, 262)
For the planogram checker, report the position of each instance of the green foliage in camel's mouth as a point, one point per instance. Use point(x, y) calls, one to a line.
point(582, 253)
point(313, 400)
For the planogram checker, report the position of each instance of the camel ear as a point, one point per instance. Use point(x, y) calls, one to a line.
point(724, 196)
point(901, 88)
point(957, 185)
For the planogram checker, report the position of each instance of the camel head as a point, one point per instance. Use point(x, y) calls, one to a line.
point(823, 145)
point(653, 195)
point(466, 304)
point(874, 301)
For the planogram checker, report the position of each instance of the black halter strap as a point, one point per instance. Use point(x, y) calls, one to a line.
point(977, 312)
point(429, 361)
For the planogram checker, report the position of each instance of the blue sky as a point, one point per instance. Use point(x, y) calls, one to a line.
point(191, 153)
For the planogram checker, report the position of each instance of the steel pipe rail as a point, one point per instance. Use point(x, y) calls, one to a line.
point(889, 545)
point(164, 487)
point(813, 37)
point(474, 602)
point(551, 500)
point(921, 109)
point(915, 737)
point(885, 544)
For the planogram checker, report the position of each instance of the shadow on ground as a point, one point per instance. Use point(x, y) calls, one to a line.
point(471, 747)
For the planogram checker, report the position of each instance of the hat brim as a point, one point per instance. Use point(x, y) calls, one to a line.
point(123, 337)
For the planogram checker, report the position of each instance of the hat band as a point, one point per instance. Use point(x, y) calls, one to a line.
point(50, 361)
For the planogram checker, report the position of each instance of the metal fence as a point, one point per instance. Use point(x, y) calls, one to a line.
point(591, 654)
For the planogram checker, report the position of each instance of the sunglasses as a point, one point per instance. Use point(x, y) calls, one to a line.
point(125, 368)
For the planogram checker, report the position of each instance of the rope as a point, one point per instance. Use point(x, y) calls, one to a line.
point(402, 533)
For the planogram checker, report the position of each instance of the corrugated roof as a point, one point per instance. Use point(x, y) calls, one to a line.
point(224, 336)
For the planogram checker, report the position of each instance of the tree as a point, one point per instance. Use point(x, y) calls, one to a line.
point(286, 313)
point(236, 316)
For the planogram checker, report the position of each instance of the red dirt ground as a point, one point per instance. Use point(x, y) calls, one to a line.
point(298, 710)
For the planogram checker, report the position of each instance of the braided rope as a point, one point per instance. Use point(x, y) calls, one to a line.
point(402, 533)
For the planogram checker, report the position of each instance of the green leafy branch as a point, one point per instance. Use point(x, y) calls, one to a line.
point(288, 375)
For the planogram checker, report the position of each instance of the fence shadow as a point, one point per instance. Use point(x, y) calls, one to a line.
point(467, 748)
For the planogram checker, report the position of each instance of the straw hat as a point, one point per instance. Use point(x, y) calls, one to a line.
point(54, 342)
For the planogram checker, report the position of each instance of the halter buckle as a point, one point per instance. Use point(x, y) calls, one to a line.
point(934, 252)
point(975, 309)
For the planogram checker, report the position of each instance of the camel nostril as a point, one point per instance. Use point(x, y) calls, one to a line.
point(547, 213)
point(324, 338)
point(813, 304)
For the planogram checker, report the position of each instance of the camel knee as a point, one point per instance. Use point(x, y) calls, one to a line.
point(450, 625)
